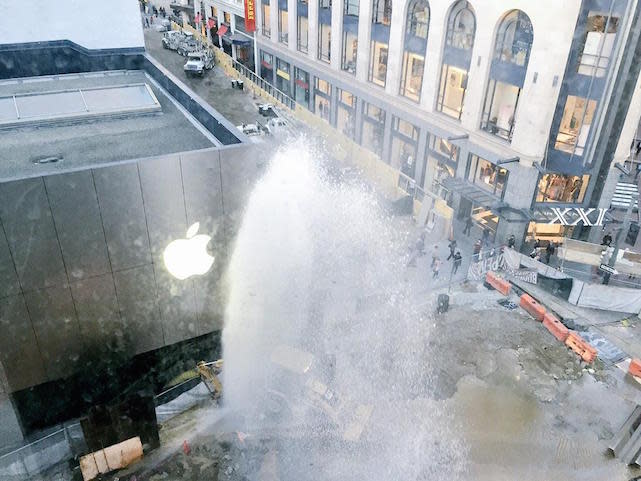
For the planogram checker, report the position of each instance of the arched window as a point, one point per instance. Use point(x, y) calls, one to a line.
point(457, 55)
point(379, 45)
point(514, 39)
point(416, 30)
point(512, 47)
point(461, 26)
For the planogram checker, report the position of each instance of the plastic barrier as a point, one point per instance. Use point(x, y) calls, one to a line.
point(536, 310)
point(575, 342)
point(635, 367)
point(498, 283)
point(556, 327)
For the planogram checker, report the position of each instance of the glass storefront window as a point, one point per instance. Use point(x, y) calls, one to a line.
point(266, 66)
point(302, 40)
point(345, 114)
point(322, 98)
point(452, 91)
point(418, 19)
point(443, 147)
point(500, 108)
point(382, 12)
point(378, 63)
point(265, 19)
point(514, 39)
point(322, 107)
point(598, 44)
point(412, 75)
point(283, 77)
point(575, 125)
point(323, 86)
point(404, 145)
point(562, 188)
point(283, 27)
point(373, 128)
point(351, 7)
point(487, 175)
point(324, 42)
point(350, 48)
point(301, 86)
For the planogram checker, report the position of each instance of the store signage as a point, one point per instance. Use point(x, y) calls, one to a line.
point(608, 269)
point(576, 215)
point(250, 16)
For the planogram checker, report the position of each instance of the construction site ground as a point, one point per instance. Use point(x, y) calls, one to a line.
point(522, 406)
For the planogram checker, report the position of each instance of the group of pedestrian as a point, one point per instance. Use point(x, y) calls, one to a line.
point(153, 13)
point(454, 254)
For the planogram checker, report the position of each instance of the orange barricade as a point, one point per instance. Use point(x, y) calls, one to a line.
point(556, 327)
point(575, 342)
point(497, 283)
point(635, 367)
point(536, 310)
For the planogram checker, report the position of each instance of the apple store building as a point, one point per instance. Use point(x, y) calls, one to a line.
point(120, 193)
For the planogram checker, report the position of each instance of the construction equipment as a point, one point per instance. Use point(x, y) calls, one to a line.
point(198, 62)
point(209, 372)
point(349, 417)
point(171, 39)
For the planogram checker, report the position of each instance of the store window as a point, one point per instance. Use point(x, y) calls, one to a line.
point(265, 19)
point(227, 17)
point(283, 77)
point(301, 85)
point(283, 27)
point(416, 29)
point(322, 98)
point(441, 159)
point(575, 124)
point(373, 128)
point(457, 55)
point(601, 31)
point(404, 146)
point(487, 175)
point(379, 41)
point(350, 36)
point(511, 55)
point(412, 75)
point(266, 66)
point(562, 188)
point(302, 39)
point(239, 24)
point(346, 113)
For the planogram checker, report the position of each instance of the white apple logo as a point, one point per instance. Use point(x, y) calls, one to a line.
point(188, 257)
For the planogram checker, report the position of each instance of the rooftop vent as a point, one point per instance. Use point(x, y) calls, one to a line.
point(50, 159)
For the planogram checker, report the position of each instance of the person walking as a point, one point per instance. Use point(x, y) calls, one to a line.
point(549, 250)
point(468, 226)
point(147, 22)
point(452, 246)
point(457, 262)
point(434, 255)
point(485, 237)
point(435, 268)
point(477, 250)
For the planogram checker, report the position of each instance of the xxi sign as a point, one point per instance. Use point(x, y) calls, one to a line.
point(576, 215)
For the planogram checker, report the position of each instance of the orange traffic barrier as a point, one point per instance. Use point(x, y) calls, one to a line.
point(497, 283)
point(556, 327)
point(536, 310)
point(575, 342)
point(635, 367)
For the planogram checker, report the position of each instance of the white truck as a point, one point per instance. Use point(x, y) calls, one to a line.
point(198, 62)
point(171, 39)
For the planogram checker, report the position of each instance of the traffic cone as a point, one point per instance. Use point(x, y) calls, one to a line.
point(186, 447)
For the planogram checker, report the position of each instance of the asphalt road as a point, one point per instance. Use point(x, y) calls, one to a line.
point(215, 87)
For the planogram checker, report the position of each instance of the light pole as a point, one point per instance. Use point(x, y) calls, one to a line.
point(624, 228)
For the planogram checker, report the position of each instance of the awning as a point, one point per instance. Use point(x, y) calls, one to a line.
point(237, 39)
point(222, 30)
point(472, 192)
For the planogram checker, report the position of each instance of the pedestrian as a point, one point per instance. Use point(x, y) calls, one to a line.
point(607, 240)
point(486, 237)
point(420, 244)
point(477, 250)
point(549, 250)
point(147, 22)
point(468, 226)
point(452, 246)
point(434, 255)
point(151, 19)
point(511, 241)
point(457, 261)
point(435, 268)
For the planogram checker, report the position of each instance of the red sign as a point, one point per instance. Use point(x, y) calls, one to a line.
point(250, 16)
point(197, 19)
point(210, 23)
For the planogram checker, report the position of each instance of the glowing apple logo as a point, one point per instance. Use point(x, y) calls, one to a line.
point(188, 257)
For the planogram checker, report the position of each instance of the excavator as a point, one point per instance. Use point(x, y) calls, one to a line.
point(349, 417)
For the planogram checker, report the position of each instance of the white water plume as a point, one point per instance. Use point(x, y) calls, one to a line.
point(318, 266)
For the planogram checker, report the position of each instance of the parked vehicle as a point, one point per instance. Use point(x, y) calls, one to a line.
point(198, 62)
point(172, 39)
point(163, 25)
point(276, 125)
point(187, 44)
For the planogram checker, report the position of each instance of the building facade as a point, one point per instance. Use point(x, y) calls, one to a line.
point(505, 109)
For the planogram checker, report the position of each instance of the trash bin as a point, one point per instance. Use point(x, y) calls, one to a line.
point(240, 84)
point(443, 303)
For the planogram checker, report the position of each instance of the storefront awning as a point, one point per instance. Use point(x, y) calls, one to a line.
point(237, 39)
point(472, 192)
